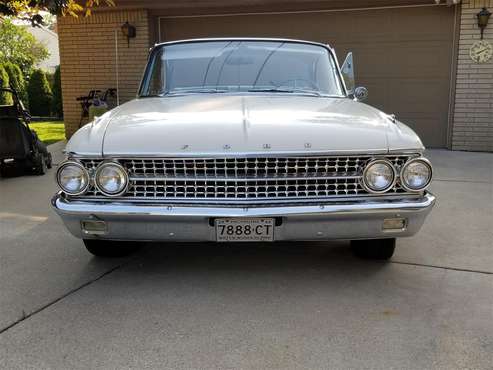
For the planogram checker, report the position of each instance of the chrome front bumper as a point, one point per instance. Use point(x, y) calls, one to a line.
point(335, 220)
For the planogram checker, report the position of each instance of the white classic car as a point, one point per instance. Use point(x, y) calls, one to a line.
point(244, 140)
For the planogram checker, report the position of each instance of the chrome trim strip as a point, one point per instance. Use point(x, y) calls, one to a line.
point(348, 153)
point(418, 151)
point(67, 207)
point(257, 39)
point(248, 201)
point(239, 179)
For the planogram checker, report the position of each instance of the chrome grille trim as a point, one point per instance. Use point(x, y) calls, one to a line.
point(256, 189)
point(249, 202)
point(250, 179)
point(257, 167)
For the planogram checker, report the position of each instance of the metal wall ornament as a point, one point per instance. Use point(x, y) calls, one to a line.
point(129, 32)
point(483, 19)
point(481, 51)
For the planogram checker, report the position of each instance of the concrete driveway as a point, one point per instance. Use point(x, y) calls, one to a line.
point(277, 306)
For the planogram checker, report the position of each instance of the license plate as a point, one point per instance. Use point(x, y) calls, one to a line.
point(244, 229)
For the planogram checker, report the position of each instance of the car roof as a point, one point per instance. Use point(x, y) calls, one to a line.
point(264, 39)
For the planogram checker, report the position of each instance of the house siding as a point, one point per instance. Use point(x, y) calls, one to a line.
point(473, 110)
point(87, 52)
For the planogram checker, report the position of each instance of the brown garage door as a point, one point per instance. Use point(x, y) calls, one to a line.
point(403, 55)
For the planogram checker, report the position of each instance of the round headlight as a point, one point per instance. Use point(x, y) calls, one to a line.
point(416, 174)
point(379, 176)
point(111, 179)
point(72, 178)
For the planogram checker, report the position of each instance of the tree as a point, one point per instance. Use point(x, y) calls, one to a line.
point(39, 93)
point(30, 9)
point(16, 80)
point(19, 47)
point(5, 98)
point(56, 105)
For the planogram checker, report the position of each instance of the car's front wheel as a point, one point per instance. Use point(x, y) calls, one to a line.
point(376, 249)
point(109, 248)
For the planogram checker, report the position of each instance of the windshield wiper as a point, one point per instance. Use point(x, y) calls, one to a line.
point(271, 89)
point(151, 96)
point(288, 91)
point(196, 91)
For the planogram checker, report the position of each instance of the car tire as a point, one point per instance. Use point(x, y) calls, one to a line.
point(49, 161)
point(109, 248)
point(374, 249)
point(39, 165)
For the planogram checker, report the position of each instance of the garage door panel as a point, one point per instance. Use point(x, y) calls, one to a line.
point(373, 26)
point(391, 95)
point(426, 127)
point(426, 102)
point(429, 26)
point(389, 60)
point(403, 55)
point(416, 60)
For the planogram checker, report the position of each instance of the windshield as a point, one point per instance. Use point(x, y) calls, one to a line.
point(241, 66)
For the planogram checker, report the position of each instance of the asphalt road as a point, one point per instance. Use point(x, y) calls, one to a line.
point(255, 306)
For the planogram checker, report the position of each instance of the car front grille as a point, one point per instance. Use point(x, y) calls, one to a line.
point(235, 168)
point(246, 179)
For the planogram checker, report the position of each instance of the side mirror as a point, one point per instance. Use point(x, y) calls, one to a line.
point(361, 93)
point(347, 71)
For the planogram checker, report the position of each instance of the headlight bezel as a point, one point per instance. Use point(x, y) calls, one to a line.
point(101, 189)
point(85, 173)
point(406, 165)
point(367, 168)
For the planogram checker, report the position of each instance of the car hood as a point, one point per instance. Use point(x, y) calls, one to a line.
point(217, 124)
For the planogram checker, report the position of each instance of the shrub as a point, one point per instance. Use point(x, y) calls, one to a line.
point(57, 106)
point(39, 93)
point(16, 80)
point(50, 78)
point(5, 98)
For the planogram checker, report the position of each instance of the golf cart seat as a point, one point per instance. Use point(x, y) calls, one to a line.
point(16, 140)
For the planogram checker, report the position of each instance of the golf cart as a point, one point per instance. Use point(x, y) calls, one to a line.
point(20, 148)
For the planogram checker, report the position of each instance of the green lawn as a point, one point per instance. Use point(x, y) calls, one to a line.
point(49, 132)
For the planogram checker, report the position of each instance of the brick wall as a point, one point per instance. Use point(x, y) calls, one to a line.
point(473, 112)
point(87, 54)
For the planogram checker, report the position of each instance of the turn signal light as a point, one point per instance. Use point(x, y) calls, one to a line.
point(394, 224)
point(94, 227)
